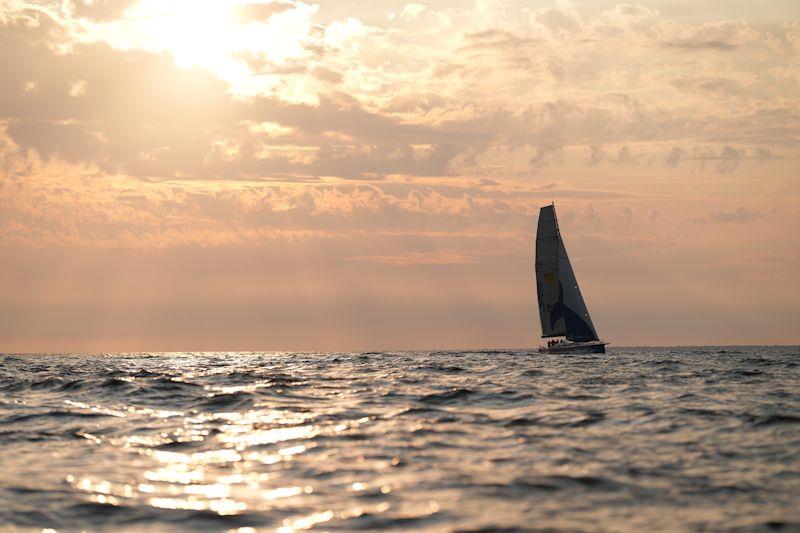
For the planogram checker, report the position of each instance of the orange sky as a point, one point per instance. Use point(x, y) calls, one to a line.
point(195, 175)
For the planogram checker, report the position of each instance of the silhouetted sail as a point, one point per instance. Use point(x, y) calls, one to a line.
point(576, 316)
point(561, 307)
point(547, 285)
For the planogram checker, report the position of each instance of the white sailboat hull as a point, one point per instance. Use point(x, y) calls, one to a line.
point(568, 347)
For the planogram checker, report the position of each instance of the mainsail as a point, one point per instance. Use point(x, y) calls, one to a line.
point(547, 286)
point(561, 307)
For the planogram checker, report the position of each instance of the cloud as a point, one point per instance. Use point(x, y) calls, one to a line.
point(66, 140)
point(101, 10)
point(627, 213)
point(262, 11)
point(709, 85)
point(596, 154)
point(764, 154)
point(560, 20)
point(545, 154)
point(158, 116)
point(417, 259)
point(328, 75)
point(627, 20)
point(625, 155)
point(412, 11)
point(498, 40)
point(716, 36)
point(435, 87)
point(740, 215)
point(349, 101)
point(729, 159)
point(673, 158)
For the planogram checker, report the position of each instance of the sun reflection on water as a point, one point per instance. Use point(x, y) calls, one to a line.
point(306, 522)
point(237, 467)
point(241, 449)
point(243, 437)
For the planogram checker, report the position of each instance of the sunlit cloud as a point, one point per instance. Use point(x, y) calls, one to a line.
point(360, 138)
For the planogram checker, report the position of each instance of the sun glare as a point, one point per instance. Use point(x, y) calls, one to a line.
point(213, 34)
point(197, 33)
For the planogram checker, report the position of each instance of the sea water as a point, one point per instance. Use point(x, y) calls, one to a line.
point(637, 439)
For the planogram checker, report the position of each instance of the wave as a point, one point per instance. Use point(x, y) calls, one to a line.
point(439, 367)
point(558, 421)
point(238, 400)
point(775, 419)
point(447, 396)
point(57, 414)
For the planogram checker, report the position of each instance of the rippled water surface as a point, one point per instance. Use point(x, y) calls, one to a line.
point(667, 439)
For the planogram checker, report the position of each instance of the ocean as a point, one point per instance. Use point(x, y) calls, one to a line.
point(667, 439)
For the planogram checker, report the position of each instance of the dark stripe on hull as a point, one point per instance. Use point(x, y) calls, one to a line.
point(592, 348)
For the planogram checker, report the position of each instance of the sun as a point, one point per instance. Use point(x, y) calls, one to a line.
point(212, 34)
point(197, 33)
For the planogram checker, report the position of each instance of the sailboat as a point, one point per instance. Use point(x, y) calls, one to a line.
point(565, 318)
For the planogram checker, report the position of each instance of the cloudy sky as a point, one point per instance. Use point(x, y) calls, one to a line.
point(367, 174)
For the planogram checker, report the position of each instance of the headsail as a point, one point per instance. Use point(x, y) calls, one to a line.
point(576, 316)
point(547, 285)
point(561, 307)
